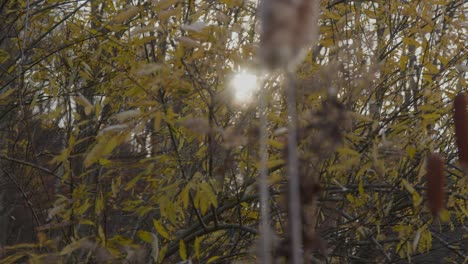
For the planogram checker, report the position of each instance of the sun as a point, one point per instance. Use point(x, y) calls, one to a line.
point(243, 86)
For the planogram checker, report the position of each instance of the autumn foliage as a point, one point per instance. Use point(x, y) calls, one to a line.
point(121, 141)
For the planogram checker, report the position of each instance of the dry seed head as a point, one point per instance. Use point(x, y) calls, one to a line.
point(288, 28)
point(460, 117)
point(435, 183)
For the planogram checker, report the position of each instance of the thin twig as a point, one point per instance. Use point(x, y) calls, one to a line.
point(32, 165)
point(25, 196)
point(448, 245)
point(25, 34)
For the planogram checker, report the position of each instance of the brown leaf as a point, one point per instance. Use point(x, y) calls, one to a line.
point(460, 117)
point(435, 183)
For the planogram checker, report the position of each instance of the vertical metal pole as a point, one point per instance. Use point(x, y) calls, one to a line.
point(295, 225)
point(265, 255)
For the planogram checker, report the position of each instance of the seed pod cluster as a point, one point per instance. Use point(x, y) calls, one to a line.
point(460, 116)
point(435, 165)
point(435, 183)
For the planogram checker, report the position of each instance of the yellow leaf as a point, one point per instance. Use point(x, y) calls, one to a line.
point(4, 55)
point(99, 204)
point(327, 42)
point(252, 215)
point(101, 234)
point(83, 208)
point(276, 144)
point(208, 197)
point(182, 250)
point(168, 13)
point(145, 236)
point(162, 254)
point(403, 62)
point(347, 152)
point(444, 216)
point(103, 147)
point(86, 222)
point(361, 187)
point(417, 237)
point(13, 258)
point(411, 41)
point(232, 3)
point(42, 238)
point(132, 183)
point(163, 4)
point(212, 259)
point(6, 94)
point(197, 247)
point(126, 14)
point(411, 151)
point(332, 15)
point(432, 116)
point(417, 199)
point(127, 115)
point(104, 162)
point(118, 239)
point(161, 230)
point(116, 186)
point(275, 163)
point(407, 186)
point(73, 246)
point(83, 101)
point(157, 121)
point(185, 196)
point(154, 247)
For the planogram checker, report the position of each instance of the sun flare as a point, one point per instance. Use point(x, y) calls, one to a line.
point(243, 86)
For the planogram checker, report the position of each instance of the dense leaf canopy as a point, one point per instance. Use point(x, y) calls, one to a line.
point(121, 138)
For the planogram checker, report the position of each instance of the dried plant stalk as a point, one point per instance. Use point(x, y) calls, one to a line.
point(435, 183)
point(294, 200)
point(265, 232)
point(460, 117)
point(288, 28)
